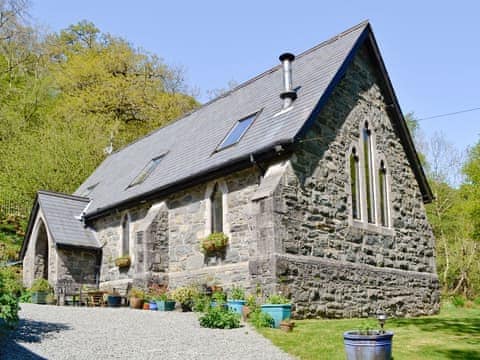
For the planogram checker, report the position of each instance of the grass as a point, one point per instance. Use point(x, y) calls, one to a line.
point(453, 334)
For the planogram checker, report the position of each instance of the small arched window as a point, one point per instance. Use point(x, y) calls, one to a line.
point(383, 192)
point(355, 184)
point(368, 173)
point(126, 235)
point(217, 210)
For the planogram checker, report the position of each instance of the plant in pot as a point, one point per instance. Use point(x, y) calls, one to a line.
point(114, 299)
point(137, 296)
point(214, 243)
point(236, 300)
point(219, 299)
point(186, 296)
point(50, 299)
point(39, 290)
point(165, 302)
point(123, 262)
point(250, 306)
point(368, 343)
point(278, 307)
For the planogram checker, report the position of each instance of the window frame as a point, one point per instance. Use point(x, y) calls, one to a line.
point(144, 174)
point(254, 117)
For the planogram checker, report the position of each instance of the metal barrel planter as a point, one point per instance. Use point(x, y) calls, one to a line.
point(373, 346)
point(278, 312)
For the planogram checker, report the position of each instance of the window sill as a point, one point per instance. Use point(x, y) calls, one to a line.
point(372, 227)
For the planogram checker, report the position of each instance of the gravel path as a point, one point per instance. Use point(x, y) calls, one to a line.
point(56, 332)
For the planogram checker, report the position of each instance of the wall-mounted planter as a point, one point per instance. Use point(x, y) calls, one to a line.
point(374, 346)
point(236, 305)
point(168, 305)
point(39, 297)
point(278, 312)
point(123, 262)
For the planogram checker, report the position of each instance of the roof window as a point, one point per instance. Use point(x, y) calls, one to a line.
point(88, 190)
point(147, 170)
point(237, 132)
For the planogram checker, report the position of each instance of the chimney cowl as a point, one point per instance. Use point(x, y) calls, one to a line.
point(288, 95)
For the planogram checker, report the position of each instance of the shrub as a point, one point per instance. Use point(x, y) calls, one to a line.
point(251, 302)
point(220, 318)
point(201, 303)
point(186, 295)
point(219, 297)
point(137, 293)
point(277, 299)
point(260, 319)
point(8, 304)
point(26, 296)
point(458, 301)
point(41, 285)
point(237, 293)
point(12, 280)
point(214, 242)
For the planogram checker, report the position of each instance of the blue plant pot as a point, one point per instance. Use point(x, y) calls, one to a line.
point(215, 304)
point(153, 305)
point(114, 300)
point(278, 312)
point(236, 305)
point(377, 346)
point(168, 305)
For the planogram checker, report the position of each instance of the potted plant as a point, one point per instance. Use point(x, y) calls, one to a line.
point(123, 261)
point(214, 242)
point(39, 290)
point(136, 298)
point(249, 307)
point(165, 302)
point(50, 299)
point(219, 299)
point(367, 343)
point(185, 296)
point(278, 307)
point(114, 299)
point(237, 299)
point(287, 325)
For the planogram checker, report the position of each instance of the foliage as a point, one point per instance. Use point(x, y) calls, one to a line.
point(453, 334)
point(251, 302)
point(219, 297)
point(12, 280)
point(201, 303)
point(259, 319)
point(137, 293)
point(186, 295)
point(41, 285)
point(26, 296)
point(214, 242)
point(220, 318)
point(277, 299)
point(8, 303)
point(367, 326)
point(237, 293)
point(458, 301)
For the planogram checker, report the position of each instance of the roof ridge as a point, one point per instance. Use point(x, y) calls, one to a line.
point(245, 83)
point(63, 195)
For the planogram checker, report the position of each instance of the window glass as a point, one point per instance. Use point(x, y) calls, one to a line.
point(368, 173)
point(237, 132)
point(146, 171)
point(125, 236)
point(217, 210)
point(382, 180)
point(355, 184)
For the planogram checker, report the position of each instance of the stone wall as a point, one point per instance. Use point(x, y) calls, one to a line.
point(77, 265)
point(313, 211)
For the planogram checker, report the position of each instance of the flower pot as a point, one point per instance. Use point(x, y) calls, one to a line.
point(122, 262)
point(136, 303)
point(236, 305)
point(114, 300)
point(153, 305)
point(246, 312)
point(168, 305)
point(39, 297)
point(278, 312)
point(287, 326)
point(146, 306)
point(186, 307)
point(374, 346)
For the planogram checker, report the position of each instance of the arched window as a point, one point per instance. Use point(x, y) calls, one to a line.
point(383, 192)
point(355, 184)
point(368, 173)
point(216, 210)
point(126, 235)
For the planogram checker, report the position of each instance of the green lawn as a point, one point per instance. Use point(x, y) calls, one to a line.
point(453, 334)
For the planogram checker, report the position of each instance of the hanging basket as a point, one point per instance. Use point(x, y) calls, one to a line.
point(123, 262)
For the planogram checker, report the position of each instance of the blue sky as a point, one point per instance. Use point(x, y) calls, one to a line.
point(431, 49)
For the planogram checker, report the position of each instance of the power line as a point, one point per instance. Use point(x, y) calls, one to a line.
point(449, 114)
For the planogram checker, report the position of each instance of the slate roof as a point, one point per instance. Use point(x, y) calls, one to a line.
point(60, 212)
point(189, 144)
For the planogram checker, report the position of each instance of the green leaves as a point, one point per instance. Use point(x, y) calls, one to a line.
point(219, 317)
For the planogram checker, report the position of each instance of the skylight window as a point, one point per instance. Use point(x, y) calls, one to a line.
point(88, 190)
point(147, 170)
point(237, 132)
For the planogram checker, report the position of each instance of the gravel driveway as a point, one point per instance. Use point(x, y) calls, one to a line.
point(63, 332)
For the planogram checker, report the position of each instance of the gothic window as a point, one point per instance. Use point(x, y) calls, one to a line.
point(383, 193)
point(355, 184)
point(125, 235)
point(216, 210)
point(368, 173)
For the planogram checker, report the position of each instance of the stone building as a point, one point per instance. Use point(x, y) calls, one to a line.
point(308, 168)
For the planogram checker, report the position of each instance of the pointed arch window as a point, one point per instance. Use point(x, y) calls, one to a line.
point(125, 235)
point(355, 184)
point(383, 192)
point(368, 173)
point(217, 210)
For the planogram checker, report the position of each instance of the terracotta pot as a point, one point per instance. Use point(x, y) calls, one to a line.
point(246, 312)
point(146, 306)
point(136, 303)
point(287, 326)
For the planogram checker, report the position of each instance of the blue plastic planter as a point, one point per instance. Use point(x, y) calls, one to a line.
point(236, 305)
point(278, 312)
point(114, 300)
point(377, 346)
point(165, 305)
point(153, 305)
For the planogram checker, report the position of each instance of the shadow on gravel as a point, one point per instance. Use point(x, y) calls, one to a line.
point(13, 351)
point(34, 331)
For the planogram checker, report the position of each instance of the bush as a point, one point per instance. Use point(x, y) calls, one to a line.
point(8, 304)
point(12, 280)
point(260, 319)
point(237, 293)
point(41, 285)
point(186, 295)
point(201, 303)
point(277, 299)
point(458, 301)
point(220, 318)
point(26, 296)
